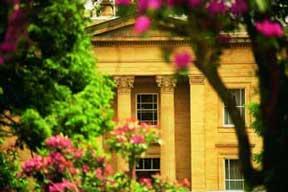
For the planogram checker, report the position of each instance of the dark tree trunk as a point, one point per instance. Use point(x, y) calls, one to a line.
point(273, 89)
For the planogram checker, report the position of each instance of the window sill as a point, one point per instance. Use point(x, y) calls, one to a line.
point(230, 129)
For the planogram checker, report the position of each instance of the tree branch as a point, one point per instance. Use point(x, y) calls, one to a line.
point(208, 66)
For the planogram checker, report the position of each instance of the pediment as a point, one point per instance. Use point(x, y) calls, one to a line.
point(122, 28)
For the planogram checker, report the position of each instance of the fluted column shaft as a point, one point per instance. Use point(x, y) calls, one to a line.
point(124, 85)
point(167, 126)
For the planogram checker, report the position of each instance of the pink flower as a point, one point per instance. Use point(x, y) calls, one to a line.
point(182, 60)
point(142, 24)
point(185, 183)
point(99, 173)
point(239, 7)
point(1, 60)
point(137, 139)
point(85, 168)
point(59, 161)
point(146, 182)
point(121, 138)
point(269, 28)
point(108, 169)
point(100, 160)
point(123, 2)
point(173, 3)
point(216, 7)
point(34, 164)
point(58, 141)
point(77, 153)
point(62, 187)
point(8, 46)
point(143, 5)
point(194, 3)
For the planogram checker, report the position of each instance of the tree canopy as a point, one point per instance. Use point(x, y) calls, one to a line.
point(51, 84)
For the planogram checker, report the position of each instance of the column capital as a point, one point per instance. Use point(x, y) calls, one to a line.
point(167, 83)
point(124, 83)
point(196, 79)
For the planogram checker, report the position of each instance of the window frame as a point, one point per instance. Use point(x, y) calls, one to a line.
point(243, 106)
point(157, 103)
point(150, 169)
point(229, 180)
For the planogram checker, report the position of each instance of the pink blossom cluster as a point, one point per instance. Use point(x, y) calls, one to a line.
point(147, 182)
point(216, 7)
point(142, 24)
point(182, 60)
point(55, 160)
point(213, 7)
point(131, 132)
point(63, 187)
point(35, 164)
point(60, 162)
point(269, 28)
point(70, 162)
point(239, 7)
point(132, 137)
point(58, 141)
point(148, 5)
point(17, 23)
point(137, 139)
point(103, 172)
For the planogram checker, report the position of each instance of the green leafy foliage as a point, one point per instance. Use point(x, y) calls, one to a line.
point(9, 167)
point(257, 123)
point(33, 130)
point(51, 82)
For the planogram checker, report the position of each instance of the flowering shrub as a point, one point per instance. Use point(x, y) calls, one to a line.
point(131, 139)
point(64, 167)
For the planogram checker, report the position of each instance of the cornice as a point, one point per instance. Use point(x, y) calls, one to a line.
point(159, 41)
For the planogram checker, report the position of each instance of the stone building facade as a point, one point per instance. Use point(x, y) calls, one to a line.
point(199, 141)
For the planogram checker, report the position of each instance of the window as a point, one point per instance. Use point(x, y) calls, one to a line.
point(233, 177)
point(147, 167)
point(239, 96)
point(147, 108)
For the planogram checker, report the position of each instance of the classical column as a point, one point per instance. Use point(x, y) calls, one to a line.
point(167, 126)
point(197, 132)
point(124, 85)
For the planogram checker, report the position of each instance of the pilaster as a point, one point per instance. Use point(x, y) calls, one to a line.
point(197, 101)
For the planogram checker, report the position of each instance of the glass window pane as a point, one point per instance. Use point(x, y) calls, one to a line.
point(242, 97)
point(146, 106)
point(156, 163)
point(227, 169)
point(233, 177)
point(227, 119)
point(147, 116)
point(236, 185)
point(147, 163)
point(239, 96)
point(146, 98)
point(235, 170)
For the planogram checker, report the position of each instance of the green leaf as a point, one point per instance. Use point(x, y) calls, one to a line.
point(262, 5)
